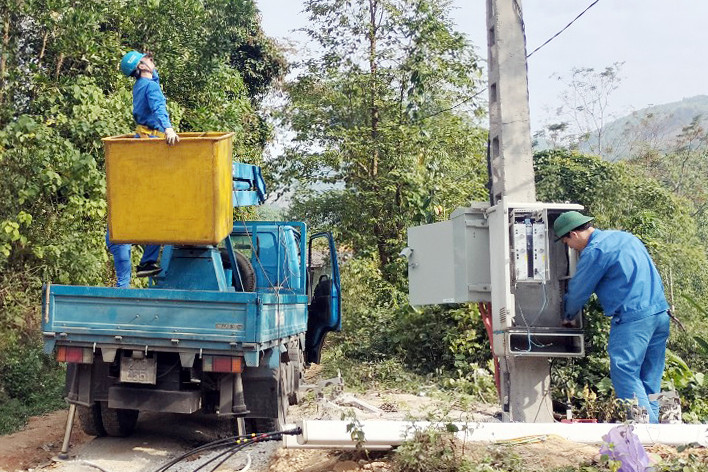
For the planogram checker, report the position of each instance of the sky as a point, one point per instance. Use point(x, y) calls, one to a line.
point(661, 42)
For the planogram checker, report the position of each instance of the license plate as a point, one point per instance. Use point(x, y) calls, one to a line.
point(142, 371)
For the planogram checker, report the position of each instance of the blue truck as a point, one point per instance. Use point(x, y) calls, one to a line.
point(225, 329)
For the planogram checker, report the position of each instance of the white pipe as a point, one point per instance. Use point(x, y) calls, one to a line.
point(381, 435)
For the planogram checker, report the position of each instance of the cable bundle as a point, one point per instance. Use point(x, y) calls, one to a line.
point(232, 445)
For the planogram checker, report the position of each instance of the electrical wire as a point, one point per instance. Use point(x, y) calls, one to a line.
point(233, 444)
point(530, 340)
point(523, 27)
point(564, 28)
point(229, 454)
point(224, 456)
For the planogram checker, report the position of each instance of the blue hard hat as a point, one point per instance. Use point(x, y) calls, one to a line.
point(130, 62)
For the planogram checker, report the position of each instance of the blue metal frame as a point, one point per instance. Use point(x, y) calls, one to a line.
point(248, 185)
point(184, 319)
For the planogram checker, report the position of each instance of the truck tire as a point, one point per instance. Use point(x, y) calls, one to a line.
point(245, 268)
point(248, 274)
point(118, 422)
point(225, 427)
point(90, 419)
point(296, 368)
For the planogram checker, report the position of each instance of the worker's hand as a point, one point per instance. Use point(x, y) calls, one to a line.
point(569, 323)
point(171, 136)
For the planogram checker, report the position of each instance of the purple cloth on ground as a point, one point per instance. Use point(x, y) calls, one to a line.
point(621, 444)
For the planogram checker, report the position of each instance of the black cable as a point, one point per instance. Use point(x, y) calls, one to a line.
point(564, 28)
point(228, 453)
point(527, 56)
point(204, 447)
point(240, 443)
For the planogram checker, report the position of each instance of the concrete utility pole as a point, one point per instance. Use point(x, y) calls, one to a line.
point(525, 381)
point(503, 254)
point(509, 128)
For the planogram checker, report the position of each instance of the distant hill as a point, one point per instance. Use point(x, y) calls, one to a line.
point(656, 126)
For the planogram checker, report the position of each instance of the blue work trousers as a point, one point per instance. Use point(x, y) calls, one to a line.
point(637, 352)
point(121, 259)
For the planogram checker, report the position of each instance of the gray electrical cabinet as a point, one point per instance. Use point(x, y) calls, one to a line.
point(508, 255)
point(448, 262)
point(530, 271)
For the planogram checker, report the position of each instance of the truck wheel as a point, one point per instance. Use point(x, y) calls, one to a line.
point(245, 268)
point(248, 274)
point(226, 427)
point(118, 422)
point(90, 419)
point(296, 368)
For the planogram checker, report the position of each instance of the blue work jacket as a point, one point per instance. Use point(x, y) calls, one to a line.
point(617, 267)
point(149, 104)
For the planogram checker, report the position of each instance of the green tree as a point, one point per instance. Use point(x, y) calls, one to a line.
point(61, 92)
point(583, 112)
point(680, 167)
point(378, 143)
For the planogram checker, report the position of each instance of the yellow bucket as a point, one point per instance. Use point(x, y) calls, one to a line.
point(160, 194)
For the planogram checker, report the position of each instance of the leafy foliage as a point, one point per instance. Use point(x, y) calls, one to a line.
point(61, 92)
point(31, 383)
point(362, 140)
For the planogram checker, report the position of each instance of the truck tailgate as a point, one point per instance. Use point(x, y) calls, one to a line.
point(176, 318)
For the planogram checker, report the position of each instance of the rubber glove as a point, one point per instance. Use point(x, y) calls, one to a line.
point(171, 136)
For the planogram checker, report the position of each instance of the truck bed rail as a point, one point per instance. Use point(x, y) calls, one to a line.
point(163, 318)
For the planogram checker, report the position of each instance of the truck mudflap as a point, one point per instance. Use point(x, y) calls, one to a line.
point(169, 319)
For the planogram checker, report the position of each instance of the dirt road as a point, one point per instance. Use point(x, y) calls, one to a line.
point(161, 437)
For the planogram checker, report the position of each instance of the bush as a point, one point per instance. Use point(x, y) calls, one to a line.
point(385, 341)
point(31, 383)
point(431, 451)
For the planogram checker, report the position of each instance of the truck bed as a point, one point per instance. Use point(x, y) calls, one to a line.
point(175, 320)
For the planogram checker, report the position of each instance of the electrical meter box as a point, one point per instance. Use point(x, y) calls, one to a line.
point(530, 271)
point(506, 254)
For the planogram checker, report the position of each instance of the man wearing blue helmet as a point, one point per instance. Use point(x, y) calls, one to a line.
point(152, 121)
point(616, 266)
point(149, 103)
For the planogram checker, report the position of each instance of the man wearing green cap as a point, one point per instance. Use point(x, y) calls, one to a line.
point(616, 266)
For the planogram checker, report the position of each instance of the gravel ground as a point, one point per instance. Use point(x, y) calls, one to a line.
point(160, 438)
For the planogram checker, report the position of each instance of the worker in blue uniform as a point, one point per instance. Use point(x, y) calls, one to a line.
point(616, 266)
point(152, 121)
point(149, 103)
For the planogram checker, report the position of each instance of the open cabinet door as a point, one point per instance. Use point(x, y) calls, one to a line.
point(324, 311)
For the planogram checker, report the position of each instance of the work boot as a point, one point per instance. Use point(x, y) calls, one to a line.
point(147, 269)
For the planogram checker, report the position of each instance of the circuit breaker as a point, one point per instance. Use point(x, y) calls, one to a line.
point(530, 248)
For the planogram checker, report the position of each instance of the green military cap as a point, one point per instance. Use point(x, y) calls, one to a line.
point(568, 221)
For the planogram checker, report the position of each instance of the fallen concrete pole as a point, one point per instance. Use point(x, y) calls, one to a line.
point(382, 435)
